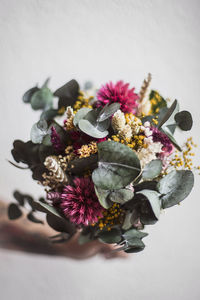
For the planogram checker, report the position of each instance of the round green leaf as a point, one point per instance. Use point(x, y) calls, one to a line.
point(42, 99)
point(127, 221)
point(60, 224)
point(110, 237)
point(49, 114)
point(152, 169)
point(184, 120)
point(121, 195)
point(133, 233)
point(68, 90)
point(28, 95)
point(49, 208)
point(154, 200)
point(118, 166)
point(175, 187)
point(47, 140)
point(90, 130)
point(81, 113)
point(38, 131)
point(108, 111)
point(102, 195)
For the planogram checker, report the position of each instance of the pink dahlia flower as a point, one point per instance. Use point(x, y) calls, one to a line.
point(119, 92)
point(80, 203)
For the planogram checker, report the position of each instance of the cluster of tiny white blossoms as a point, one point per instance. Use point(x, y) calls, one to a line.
point(151, 149)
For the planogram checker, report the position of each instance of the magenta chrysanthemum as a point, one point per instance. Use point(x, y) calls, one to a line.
point(119, 92)
point(80, 203)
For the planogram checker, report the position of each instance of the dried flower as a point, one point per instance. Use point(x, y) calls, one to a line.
point(87, 150)
point(144, 106)
point(68, 123)
point(118, 120)
point(80, 203)
point(52, 164)
point(56, 141)
point(120, 93)
point(69, 112)
point(126, 133)
point(144, 88)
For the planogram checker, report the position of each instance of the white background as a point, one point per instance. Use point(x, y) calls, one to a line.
point(100, 41)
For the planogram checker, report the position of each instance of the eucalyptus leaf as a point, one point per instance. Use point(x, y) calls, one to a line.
point(175, 187)
point(172, 139)
point(14, 212)
point(102, 195)
point(135, 242)
point(45, 84)
point(27, 96)
point(49, 208)
point(121, 196)
point(42, 99)
point(137, 248)
point(146, 185)
point(152, 169)
point(49, 114)
point(127, 221)
point(60, 224)
point(81, 113)
point(134, 233)
point(118, 166)
point(110, 237)
point(67, 94)
point(38, 131)
point(154, 199)
point(68, 90)
point(86, 127)
point(108, 111)
point(47, 140)
point(92, 116)
point(184, 120)
point(169, 114)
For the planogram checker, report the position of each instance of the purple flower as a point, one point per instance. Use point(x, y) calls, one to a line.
point(56, 141)
point(159, 136)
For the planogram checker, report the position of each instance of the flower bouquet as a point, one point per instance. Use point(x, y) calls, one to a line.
point(108, 160)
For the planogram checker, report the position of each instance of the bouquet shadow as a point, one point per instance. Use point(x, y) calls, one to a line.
point(24, 236)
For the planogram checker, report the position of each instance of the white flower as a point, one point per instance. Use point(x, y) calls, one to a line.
point(118, 120)
point(144, 107)
point(69, 112)
point(136, 125)
point(148, 154)
point(126, 132)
